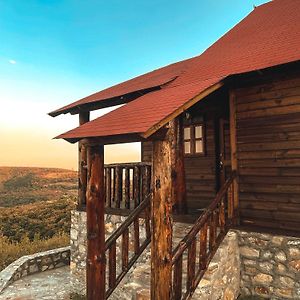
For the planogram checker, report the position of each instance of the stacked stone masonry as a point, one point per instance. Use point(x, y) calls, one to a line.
point(35, 263)
point(270, 265)
point(221, 281)
point(247, 263)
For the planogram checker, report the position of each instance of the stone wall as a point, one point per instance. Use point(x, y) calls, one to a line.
point(30, 264)
point(221, 281)
point(78, 242)
point(270, 265)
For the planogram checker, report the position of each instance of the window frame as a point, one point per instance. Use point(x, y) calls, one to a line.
point(192, 140)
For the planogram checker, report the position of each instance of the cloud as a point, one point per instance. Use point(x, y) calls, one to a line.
point(11, 61)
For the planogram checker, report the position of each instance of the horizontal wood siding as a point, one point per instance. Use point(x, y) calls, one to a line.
point(268, 142)
point(146, 151)
point(200, 172)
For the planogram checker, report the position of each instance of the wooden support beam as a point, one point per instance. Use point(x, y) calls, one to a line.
point(95, 207)
point(182, 109)
point(234, 154)
point(178, 170)
point(161, 242)
point(84, 117)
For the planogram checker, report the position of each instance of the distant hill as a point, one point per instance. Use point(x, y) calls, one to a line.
point(29, 185)
point(36, 201)
point(35, 206)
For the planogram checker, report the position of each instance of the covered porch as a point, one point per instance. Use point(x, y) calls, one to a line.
point(181, 180)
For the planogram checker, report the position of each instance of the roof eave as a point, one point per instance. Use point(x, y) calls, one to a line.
point(181, 109)
point(109, 102)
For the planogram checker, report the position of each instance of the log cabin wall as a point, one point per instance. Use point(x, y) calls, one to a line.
point(268, 146)
point(200, 170)
point(146, 152)
point(201, 178)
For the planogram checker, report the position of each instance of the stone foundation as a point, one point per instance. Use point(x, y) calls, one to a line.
point(270, 265)
point(78, 241)
point(247, 263)
point(221, 281)
point(35, 263)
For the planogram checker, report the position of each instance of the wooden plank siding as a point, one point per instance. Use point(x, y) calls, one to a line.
point(200, 170)
point(268, 144)
point(146, 151)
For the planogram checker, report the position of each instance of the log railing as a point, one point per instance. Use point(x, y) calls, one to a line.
point(130, 242)
point(126, 185)
point(191, 257)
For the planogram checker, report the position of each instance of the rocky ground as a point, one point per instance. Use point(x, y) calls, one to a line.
point(49, 285)
point(221, 280)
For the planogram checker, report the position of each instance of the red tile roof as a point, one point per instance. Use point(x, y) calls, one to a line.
point(268, 36)
point(152, 79)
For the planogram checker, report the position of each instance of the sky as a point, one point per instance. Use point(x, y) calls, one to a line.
point(55, 52)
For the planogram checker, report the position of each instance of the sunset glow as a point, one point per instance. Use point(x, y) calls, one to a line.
point(54, 53)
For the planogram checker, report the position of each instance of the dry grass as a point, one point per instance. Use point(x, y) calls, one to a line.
point(35, 205)
point(19, 186)
point(11, 250)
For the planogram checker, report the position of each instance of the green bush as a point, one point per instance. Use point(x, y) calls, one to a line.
point(12, 250)
point(18, 182)
point(45, 219)
point(77, 297)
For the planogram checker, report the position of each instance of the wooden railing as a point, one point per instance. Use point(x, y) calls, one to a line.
point(191, 257)
point(126, 185)
point(129, 233)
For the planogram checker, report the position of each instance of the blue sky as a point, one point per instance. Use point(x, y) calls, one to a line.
point(55, 52)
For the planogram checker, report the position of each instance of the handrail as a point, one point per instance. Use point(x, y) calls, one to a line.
point(126, 184)
point(183, 244)
point(129, 220)
point(128, 165)
point(143, 212)
point(212, 226)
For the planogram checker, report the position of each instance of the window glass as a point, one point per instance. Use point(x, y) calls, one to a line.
point(199, 146)
point(194, 139)
point(198, 132)
point(187, 133)
point(187, 147)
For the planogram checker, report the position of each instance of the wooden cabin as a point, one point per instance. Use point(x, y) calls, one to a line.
point(220, 144)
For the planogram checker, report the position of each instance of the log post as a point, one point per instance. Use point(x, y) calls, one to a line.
point(178, 170)
point(161, 241)
point(84, 117)
point(95, 206)
point(234, 158)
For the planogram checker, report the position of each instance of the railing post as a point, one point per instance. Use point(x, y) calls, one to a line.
point(203, 247)
point(136, 186)
point(177, 281)
point(127, 188)
point(178, 170)
point(84, 117)
point(118, 186)
point(191, 265)
point(108, 187)
point(234, 155)
point(161, 242)
point(95, 224)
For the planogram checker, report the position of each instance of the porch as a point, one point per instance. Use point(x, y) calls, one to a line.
point(187, 174)
point(127, 193)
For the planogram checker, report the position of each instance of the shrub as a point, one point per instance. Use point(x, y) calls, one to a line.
point(12, 250)
point(19, 182)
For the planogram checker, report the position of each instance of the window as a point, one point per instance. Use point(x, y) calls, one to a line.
point(193, 139)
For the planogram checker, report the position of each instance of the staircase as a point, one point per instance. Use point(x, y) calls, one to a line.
point(129, 244)
point(221, 277)
point(191, 256)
